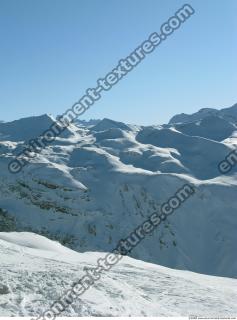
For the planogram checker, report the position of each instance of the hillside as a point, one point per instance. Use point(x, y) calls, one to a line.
point(35, 272)
point(93, 186)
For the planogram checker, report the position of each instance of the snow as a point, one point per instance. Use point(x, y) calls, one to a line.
point(28, 128)
point(106, 124)
point(229, 113)
point(92, 187)
point(200, 156)
point(36, 271)
point(209, 127)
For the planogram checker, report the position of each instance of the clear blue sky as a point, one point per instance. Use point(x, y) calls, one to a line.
point(53, 50)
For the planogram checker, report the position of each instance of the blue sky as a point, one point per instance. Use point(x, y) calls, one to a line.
point(52, 51)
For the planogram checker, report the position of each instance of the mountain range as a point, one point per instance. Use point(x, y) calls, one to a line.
point(96, 183)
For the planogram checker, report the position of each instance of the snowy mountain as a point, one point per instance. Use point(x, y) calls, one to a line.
point(86, 123)
point(93, 185)
point(229, 114)
point(28, 128)
point(35, 272)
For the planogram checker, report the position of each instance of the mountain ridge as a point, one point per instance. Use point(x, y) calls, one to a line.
point(229, 112)
point(94, 186)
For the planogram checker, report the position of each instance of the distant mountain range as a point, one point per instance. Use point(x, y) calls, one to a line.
point(230, 114)
point(93, 185)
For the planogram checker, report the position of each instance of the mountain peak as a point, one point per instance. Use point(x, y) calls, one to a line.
point(203, 113)
point(106, 124)
point(28, 128)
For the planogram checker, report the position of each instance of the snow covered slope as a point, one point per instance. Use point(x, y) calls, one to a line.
point(211, 127)
point(226, 113)
point(209, 123)
point(93, 186)
point(35, 271)
point(28, 128)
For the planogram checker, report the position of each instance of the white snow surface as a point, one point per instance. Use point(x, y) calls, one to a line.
point(230, 114)
point(37, 271)
point(94, 185)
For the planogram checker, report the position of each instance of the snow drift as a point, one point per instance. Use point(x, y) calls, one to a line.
point(35, 271)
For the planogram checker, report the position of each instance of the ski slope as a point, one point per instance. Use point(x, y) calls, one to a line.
point(35, 271)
